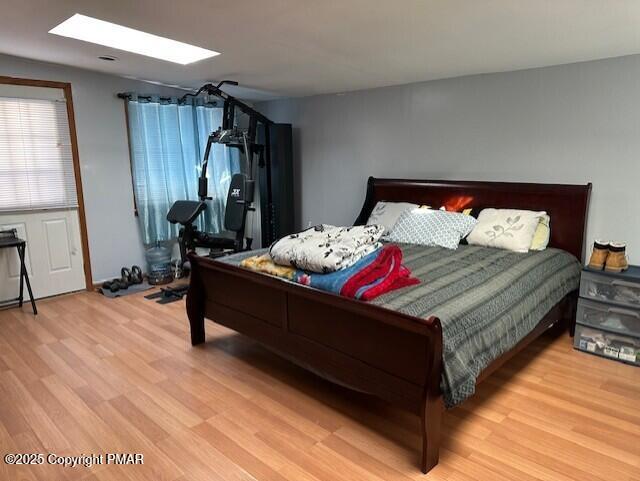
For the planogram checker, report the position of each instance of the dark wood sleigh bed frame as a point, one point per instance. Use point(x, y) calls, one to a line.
point(391, 355)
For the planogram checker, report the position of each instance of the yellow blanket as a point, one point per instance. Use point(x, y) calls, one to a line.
point(265, 264)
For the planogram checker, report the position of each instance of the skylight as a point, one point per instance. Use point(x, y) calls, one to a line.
point(128, 39)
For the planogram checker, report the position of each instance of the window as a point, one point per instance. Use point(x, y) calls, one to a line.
point(167, 143)
point(36, 161)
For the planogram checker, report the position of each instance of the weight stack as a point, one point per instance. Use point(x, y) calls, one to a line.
point(277, 219)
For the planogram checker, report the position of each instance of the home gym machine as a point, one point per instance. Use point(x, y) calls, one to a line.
point(267, 151)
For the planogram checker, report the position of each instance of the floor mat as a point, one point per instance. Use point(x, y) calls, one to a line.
point(125, 292)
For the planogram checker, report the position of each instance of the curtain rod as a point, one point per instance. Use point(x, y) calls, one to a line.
point(149, 98)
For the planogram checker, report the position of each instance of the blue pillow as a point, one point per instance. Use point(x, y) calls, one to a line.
point(429, 227)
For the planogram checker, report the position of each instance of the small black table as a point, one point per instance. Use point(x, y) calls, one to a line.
point(8, 239)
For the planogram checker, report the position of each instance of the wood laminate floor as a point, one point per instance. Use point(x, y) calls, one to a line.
point(91, 375)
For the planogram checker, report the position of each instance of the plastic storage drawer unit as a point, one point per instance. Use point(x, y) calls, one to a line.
point(614, 289)
point(612, 345)
point(609, 317)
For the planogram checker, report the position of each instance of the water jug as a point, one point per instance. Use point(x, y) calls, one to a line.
point(159, 263)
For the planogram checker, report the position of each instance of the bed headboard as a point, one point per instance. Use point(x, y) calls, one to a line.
point(567, 205)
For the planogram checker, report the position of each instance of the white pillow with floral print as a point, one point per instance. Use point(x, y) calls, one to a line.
point(387, 213)
point(509, 229)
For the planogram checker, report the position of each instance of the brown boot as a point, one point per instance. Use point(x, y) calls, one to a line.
point(617, 258)
point(599, 255)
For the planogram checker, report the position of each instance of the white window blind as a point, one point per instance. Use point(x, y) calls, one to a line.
point(36, 161)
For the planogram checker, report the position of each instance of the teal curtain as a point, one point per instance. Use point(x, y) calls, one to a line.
point(167, 142)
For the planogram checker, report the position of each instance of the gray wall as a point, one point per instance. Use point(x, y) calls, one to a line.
point(573, 123)
point(114, 236)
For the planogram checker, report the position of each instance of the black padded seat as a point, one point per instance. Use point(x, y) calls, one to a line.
point(226, 234)
point(222, 240)
point(185, 211)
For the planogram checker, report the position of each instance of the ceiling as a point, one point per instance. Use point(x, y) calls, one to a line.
point(305, 47)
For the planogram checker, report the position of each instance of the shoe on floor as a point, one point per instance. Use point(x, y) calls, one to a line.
point(617, 258)
point(599, 255)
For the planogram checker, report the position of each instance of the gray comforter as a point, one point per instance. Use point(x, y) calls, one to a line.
point(487, 300)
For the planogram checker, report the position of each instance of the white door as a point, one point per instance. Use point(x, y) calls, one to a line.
point(54, 253)
point(38, 192)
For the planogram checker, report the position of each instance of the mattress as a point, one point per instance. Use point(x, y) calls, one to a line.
point(487, 300)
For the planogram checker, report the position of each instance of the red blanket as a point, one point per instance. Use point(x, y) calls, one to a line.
point(373, 275)
point(386, 273)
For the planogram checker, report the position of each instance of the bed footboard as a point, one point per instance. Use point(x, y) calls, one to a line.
point(390, 355)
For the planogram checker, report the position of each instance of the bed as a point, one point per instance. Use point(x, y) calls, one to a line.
point(389, 348)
